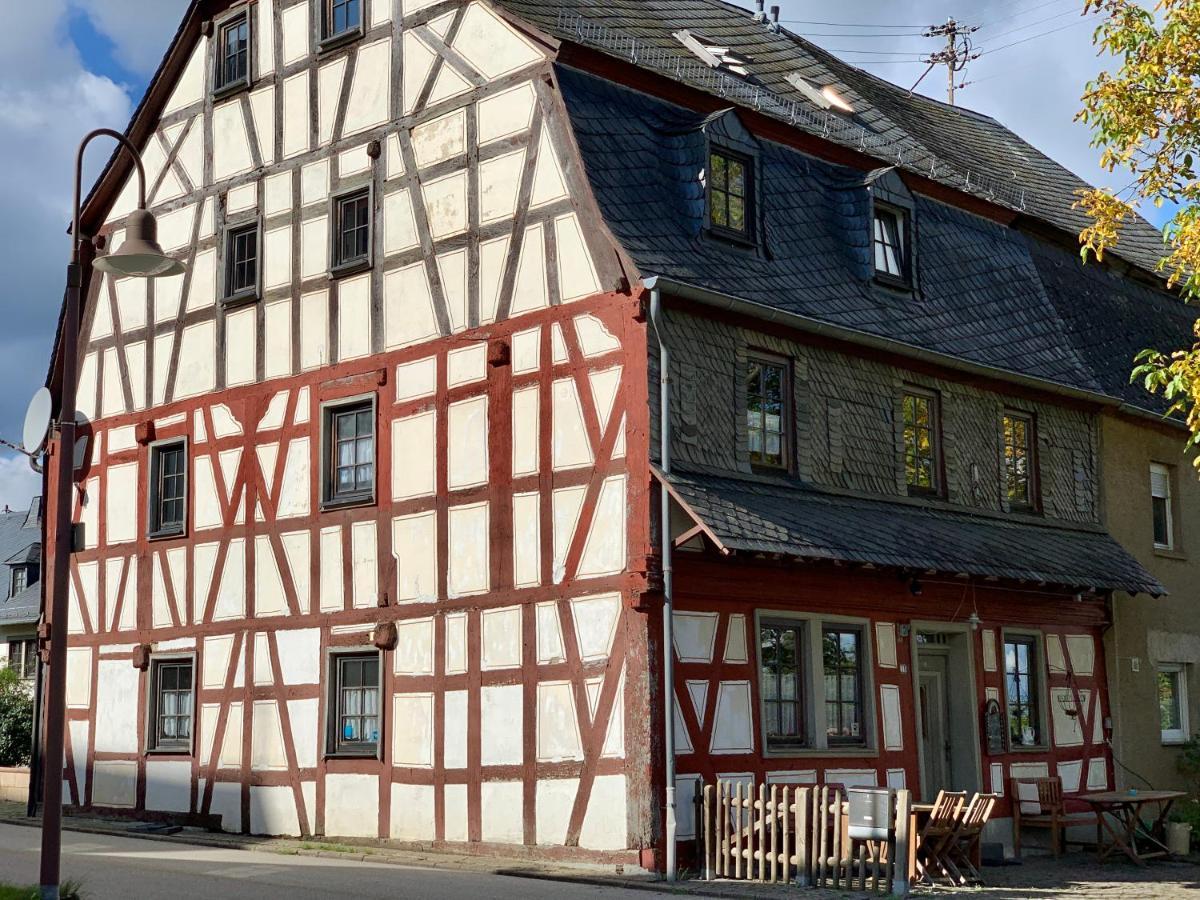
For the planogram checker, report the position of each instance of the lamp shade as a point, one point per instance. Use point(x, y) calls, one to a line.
point(140, 255)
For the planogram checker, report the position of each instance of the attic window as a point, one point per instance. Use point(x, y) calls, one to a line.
point(714, 54)
point(730, 198)
point(233, 54)
point(891, 263)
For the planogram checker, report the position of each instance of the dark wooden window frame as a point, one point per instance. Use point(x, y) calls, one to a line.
point(330, 497)
point(331, 40)
point(799, 740)
point(934, 398)
point(155, 741)
point(749, 197)
point(859, 700)
point(233, 230)
point(27, 649)
point(335, 745)
point(338, 266)
point(1032, 503)
point(901, 217)
point(19, 573)
point(223, 87)
point(1032, 700)
point(785, 364)
point(157, 528)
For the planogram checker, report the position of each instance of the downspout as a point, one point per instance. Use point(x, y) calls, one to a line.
point(664, 436)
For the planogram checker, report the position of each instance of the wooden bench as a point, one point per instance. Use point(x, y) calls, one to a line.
point(1039, 803)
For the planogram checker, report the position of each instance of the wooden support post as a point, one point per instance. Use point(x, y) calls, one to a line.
point(708, 832)
point(836, 803)
point(902, 860)
point(737, 832)
point(787, 833)
point(774, 833)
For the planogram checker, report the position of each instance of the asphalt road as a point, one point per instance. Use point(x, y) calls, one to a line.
point(119, 868)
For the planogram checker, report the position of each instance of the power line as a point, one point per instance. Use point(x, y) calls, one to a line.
point(914, 54)
point(855, 37)
point(848, 24)
point(1018, 13)
point(1069, 12)
point(1033, 37)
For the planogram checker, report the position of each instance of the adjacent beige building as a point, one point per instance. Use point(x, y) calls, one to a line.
point(1151, 503)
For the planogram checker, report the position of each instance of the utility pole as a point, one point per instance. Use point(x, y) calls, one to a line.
point(958, 52)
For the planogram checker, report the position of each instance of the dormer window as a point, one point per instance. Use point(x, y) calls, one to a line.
point(891, 260)
point(20, 580)
point(233, 54)
point(729, 194)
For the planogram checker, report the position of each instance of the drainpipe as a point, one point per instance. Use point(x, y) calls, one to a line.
point(664, 435)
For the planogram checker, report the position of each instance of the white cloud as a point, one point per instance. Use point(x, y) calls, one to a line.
point(139, 29)
point(18, 482)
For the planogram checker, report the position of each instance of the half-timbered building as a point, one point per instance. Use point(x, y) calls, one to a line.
point(370, 540)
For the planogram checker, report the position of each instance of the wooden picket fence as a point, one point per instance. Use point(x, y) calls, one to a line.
point(783, 833)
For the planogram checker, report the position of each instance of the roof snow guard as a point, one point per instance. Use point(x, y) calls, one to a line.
point(826, 124)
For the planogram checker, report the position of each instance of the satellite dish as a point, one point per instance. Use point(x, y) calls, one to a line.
point(37, 422)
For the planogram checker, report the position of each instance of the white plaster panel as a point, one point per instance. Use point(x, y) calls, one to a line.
point(299, 655)
point(262, 115)
point(455, 803)
point(885, 644)
point(493, 263)
point(530, 290)
point(454, 746)
point(468, 440)
point(604, 823)
point(414, 546)
point(893, 720)
point(120, 514)
point(501, 638)
point(168, 785)
point(557, 723)
point(456, 643)
point(399, 223)
point(370, 91)
point(197, 372)
point(735, 639)
point(306, 734)
point(1082, 651)
point(231, 146)
point(277, 338)
point(527, 539)
point(466, 365)
point(412, 731)
point(490, 45)
point(733, 720)
point(295, 30)
point(277, 257)
point(189, 88)
point(1056, 661)
point(446, 204)
point(416, 379)
point(595, 620)
point(469, 546)
point(526, 430)
point(354, 317)
point(604, 550)
point(501, 725)
point(414, 456)
point(114, 783)
point(571, 447)
point(295, 114)
point(988, 636)
point(414, 647)
point(411, 806)
point(566, 506)
point(555, 802)
point(502, 813)
point(440, 139)
point(505, 114)
point(329, 91)
point(273, 811)
point(548, 183)
point(576, 272)
point(499, 185)
point(408, 316)
point(314, 330)
point(116, 712)
point(418, 60)
point(364, 564)
point(266, 741)
point(695, 635)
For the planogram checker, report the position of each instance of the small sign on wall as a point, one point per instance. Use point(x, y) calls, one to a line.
point(993, 727)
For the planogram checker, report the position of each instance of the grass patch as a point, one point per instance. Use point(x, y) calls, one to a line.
point(68, 890)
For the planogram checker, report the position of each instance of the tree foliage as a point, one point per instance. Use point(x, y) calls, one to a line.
point(1145, 118)
point(16, 720)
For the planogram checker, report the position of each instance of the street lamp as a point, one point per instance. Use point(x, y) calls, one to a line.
point(139, 256)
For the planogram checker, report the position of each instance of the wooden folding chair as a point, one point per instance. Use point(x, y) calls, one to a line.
point(936, 836)
point(963, 850)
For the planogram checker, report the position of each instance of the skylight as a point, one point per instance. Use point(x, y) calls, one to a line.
point(825, 97)
point(714, 54)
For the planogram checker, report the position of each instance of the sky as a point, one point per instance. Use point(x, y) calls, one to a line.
point(67, 66)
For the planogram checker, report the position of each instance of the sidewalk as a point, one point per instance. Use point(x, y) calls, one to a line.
point(1073, 876)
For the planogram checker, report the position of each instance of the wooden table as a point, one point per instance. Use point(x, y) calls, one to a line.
point(1119, 814)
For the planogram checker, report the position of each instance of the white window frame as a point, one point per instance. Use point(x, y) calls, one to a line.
point(1176, 735)
point(1164, 472)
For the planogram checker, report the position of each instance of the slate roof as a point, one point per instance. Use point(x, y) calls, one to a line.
point(953, 145)
point(776, 517)
point(20, 542)
point(981, 294)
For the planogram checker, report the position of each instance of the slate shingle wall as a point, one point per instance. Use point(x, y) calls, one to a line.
point(847, 425)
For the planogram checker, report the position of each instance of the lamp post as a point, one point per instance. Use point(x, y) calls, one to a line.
point(142, 257)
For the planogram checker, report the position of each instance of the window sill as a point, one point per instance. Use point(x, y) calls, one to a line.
point(1174, 742)
point(1028, 748)
point(226, 91)
point(329, 44)
point(893, 282)
point(169, 752)
point(1169, 553)
point(857, 752)
point(246, 298)
point(346, 754)
point(350, 268)
point(347, 503)
point(729, 236)
point(920, 493)
point(166, 535)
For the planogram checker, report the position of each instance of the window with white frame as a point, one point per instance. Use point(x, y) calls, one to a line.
point(1172, 702)
point(1160, 500)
